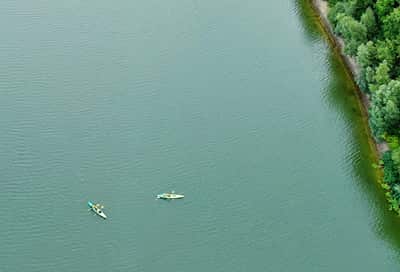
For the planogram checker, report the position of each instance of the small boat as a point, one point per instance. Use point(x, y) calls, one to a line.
point(171, 195)
point(97, 208)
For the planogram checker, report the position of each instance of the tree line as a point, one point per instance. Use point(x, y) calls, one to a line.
point(371, 31)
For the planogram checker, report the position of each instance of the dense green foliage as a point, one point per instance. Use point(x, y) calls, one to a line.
point(371, 32)
point(390, 172)
point(384, 111)
point(369, 21)
point(353, 32)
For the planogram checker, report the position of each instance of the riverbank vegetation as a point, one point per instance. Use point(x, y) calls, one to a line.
point(371, 32)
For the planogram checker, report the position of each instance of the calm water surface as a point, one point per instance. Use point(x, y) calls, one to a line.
point(240, 105)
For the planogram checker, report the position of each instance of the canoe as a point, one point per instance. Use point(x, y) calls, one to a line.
point(170, 196)
point(97, 209)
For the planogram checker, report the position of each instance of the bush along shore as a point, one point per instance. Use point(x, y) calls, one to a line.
point(369, 33)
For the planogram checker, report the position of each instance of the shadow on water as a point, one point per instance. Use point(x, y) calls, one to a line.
point(341, 96)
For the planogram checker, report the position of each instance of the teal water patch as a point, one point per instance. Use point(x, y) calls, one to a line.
point(240, 106)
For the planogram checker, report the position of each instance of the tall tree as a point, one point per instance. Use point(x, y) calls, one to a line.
point(353, 32)
point(333, 2)
point(367, 55)
point(359, 6)
point(382, 74)
point(386, 50)
point(390, 172)
point(334, 11)
point(384, 111)
point(368, 20)
point(391, 24)
point(385, 7)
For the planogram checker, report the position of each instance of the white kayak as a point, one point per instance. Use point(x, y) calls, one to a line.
point(97, 208)
point(170, 196)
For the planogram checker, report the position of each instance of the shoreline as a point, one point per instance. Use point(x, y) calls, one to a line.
point(321, 9)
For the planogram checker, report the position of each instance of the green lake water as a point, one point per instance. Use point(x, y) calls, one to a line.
point(241, 105)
